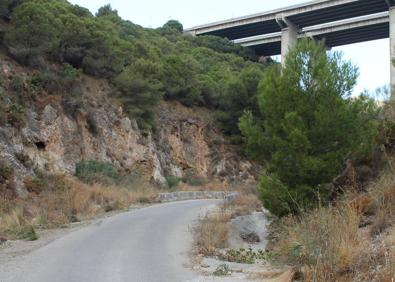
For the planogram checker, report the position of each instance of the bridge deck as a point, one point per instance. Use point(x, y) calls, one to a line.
point(303, 15)
point(339, 33)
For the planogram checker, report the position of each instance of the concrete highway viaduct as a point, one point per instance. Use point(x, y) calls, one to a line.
point(339, 22)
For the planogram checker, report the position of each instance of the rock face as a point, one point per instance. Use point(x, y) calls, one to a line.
point(186, 143)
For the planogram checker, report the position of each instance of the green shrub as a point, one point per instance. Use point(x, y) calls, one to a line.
point(6, 171)
point(73, 100)
point(179, 75)
point(55, 81)
point(16, 115)
point(34, 32)
point(172, 181)
point(96, 171)
point(139, 89)
point(17, 83)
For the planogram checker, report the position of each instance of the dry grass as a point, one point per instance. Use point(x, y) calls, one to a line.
point(332, 244)
point(383, 195)
point(325, 242)
point(210, 186)
point(65, 200)
point(212, 232)
point(244, 204)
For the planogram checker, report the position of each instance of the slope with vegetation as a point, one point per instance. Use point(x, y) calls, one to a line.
point(328, 168)
point(96, 110)
point(327, 175)
point(144, 65)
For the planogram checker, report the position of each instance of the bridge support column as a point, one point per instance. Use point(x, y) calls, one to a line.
point(392, 50)
point(289, 36)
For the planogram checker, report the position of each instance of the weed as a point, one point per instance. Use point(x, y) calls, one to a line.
point(222, 270)
point(246, 256)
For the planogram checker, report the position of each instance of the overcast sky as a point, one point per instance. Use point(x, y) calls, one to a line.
point(371, 57)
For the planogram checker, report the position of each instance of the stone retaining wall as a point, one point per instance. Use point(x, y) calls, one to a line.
point(195, 195)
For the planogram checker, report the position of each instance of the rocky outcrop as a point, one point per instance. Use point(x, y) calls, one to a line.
point(185, 144)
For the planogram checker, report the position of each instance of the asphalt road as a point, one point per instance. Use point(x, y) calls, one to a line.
point(150, 244)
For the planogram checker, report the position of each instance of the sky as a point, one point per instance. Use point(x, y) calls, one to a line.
point(372, 57)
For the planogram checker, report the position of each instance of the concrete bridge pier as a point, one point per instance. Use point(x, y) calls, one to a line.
point(289, 36)
point(392, 50)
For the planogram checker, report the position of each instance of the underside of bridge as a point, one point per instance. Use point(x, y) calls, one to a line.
point(333, 39)
point(309, 18)
point(337, 22)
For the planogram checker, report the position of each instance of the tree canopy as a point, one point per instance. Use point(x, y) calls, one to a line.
point(308, 126)
point(143, 64)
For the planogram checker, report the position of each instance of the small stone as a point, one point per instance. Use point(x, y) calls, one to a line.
point(250, 238)
point(3, 240)
point(73, 219)
point(204, 265)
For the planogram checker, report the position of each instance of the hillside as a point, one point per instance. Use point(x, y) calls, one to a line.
point(99, 114)
point(186, 143)
point(122, 94)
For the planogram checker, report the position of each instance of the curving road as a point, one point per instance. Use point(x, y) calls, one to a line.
point(150, 244)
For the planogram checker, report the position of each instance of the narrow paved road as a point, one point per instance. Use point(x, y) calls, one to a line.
point(150, 244)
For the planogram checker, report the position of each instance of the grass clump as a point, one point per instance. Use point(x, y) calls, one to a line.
point(244, 204)
point(346, 241)
point(212, 232)
point(16, 226)
point(57, 200)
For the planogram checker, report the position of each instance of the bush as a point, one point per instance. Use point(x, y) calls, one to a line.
point(172, 181)
point(308, 126)
point(93, 171)
point(6, 172)
point(178, 74)
point(16, 115)
point(140, 90)
point(34, 32)
point(7, 184)
point(55, 81)
point(17, 84)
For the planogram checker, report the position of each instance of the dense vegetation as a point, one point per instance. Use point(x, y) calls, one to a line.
point(145, 65)
point(309, 125)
